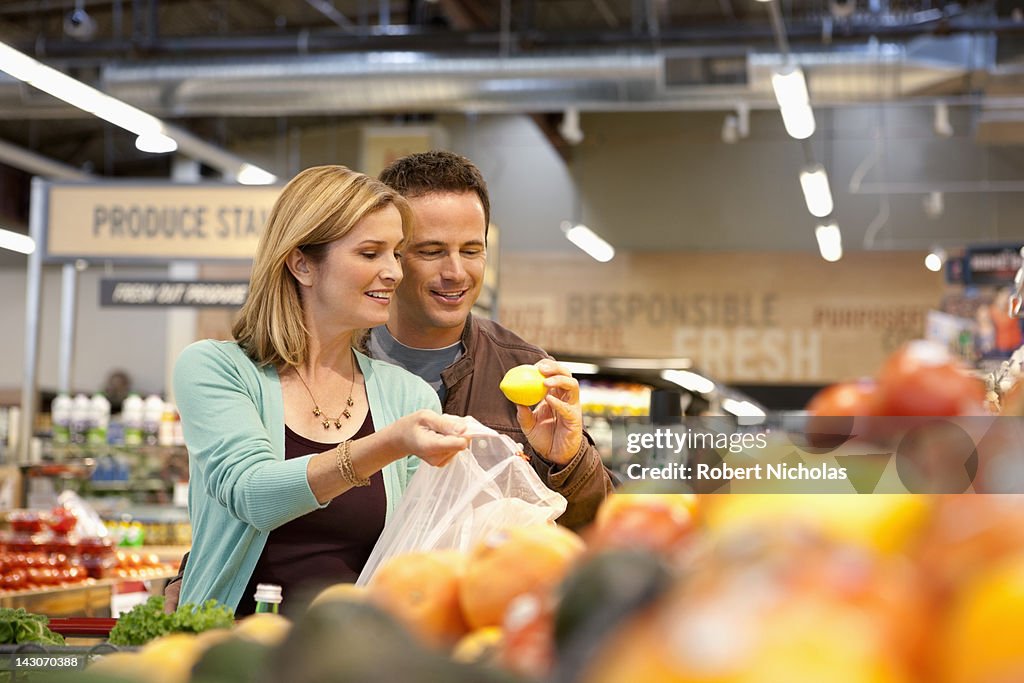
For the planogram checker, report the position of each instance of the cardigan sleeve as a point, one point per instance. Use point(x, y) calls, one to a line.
point(230, 445)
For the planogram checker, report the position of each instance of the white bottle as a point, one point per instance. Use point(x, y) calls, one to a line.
point(151, 416)
point(167, 420)
point(99, 420)
point(60, 413)
point(131, 415)
point(81, 409)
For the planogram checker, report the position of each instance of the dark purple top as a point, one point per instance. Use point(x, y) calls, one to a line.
point(328, 545)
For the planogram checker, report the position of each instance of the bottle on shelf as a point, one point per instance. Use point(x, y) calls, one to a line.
point(81, 413)
point(132, 415)
point(152, 414)
point(167, 419)
point(268, 598)
point(99, 420)
point(60, 413)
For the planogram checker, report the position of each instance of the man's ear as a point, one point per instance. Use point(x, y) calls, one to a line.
point(300, 267)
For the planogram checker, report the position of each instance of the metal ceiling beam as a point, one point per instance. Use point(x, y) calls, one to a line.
point(39, 165)
point(327, 8)
point(404, 37)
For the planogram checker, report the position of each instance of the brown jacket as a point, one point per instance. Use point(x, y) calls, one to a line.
point(472, 389)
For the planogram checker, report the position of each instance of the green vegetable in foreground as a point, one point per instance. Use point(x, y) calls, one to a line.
point(18, 626)
point(147, 621)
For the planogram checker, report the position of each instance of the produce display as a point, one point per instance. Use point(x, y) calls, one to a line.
point(663, 587)
point(43, 550)
point(722, 589)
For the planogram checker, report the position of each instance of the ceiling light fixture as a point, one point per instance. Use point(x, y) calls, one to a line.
point(155, 143)
point(15, 241)
point(149, 128)
point(690, 381)
point(934, 204)
point(941, 125)
point(589, 241)
point(254, 175)
point(817, 193)
point(569, 128)
point(790, 88)
point(736, 126)
point(830, 241)
point(935, 259)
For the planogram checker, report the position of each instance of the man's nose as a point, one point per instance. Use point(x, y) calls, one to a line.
point(454, 268)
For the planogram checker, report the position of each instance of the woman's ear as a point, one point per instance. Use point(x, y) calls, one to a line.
point(300, 267)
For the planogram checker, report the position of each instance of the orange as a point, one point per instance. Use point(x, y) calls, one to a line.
point(985, 630)
point(422, 591)
point(511, 562)
point(650, 521)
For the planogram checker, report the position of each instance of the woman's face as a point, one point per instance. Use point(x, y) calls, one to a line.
point(352, 287)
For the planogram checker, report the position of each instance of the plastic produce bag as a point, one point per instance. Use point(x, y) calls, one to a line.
point(486, 487)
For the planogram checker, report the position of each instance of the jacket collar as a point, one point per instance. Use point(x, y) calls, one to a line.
point(464, 365)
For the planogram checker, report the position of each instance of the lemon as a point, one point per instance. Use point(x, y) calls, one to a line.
point(480, 645)
point(524, 385)
point(266, 629)
point(340, 591)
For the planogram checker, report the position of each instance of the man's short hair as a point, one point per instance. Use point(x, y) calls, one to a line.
point(425, 173)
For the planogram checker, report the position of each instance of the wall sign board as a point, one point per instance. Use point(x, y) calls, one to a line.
point(742, 317)
point(156, 222)
point(190, 293)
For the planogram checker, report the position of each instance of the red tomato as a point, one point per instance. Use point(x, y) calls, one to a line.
point(921, 378)
point(846, 399)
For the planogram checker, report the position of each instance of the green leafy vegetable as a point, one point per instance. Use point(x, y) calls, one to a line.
point(142, 624)
point(18, 626)
point(148, 621)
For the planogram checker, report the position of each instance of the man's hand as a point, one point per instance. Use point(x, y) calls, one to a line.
point(554, 427)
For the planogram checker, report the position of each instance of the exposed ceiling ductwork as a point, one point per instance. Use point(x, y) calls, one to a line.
point(384, 82)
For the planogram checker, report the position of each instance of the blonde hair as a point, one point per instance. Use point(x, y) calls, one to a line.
point(319, 205)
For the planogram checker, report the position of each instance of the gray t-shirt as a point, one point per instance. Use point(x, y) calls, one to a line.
point(426, 364)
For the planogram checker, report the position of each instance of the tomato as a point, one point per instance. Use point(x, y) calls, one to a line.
point(846, 399)
point(922, 378)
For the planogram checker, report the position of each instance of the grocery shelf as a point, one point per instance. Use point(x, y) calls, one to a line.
point(89, 598)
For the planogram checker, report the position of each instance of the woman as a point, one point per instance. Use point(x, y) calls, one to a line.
point(289, 416)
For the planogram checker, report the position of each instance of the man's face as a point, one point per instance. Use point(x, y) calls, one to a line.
point(444, 270)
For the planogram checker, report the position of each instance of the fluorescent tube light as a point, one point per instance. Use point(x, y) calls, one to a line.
point(741, 408)
point(155, 143)
point(589, 241)
point(15, 241)
point(690, 381)
point(155, 135)
point(937, 257)
point(250, 174)
point(794, 102)
point(76, 93)
point(830, 242)
point(817, 193)
point(579, 368)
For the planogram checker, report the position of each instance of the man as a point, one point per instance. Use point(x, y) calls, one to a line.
point(432, 333)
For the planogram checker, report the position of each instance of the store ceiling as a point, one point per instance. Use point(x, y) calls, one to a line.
point(231, 70)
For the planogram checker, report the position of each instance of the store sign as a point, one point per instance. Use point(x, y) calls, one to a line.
point(192, 294)
point(741, 317)
point(160, 222)
point(991, 265)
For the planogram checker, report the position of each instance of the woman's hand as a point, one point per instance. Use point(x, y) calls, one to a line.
point(434, 438)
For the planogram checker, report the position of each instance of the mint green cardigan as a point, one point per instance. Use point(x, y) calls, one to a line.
point(241, 487)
